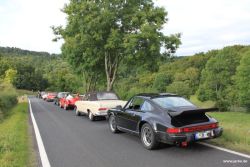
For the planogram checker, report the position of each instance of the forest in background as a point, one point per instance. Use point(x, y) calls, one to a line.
point(221, 75)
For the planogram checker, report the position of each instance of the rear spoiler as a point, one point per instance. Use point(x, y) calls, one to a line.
point(190, 112)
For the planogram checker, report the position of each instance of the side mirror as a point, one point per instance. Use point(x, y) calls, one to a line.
point(119, 107)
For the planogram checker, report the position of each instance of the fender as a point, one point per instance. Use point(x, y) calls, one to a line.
point(156, 125)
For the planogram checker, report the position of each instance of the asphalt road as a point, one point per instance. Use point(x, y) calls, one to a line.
point(72, 141)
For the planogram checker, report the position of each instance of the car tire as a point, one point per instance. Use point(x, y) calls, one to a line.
point(148, 137)
point(112, 124)
point(91, 116)
point(77, 112)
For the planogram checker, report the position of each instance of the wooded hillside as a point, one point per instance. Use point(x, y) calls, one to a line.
point(218, 75)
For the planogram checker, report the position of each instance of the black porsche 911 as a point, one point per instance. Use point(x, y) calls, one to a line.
point(164, 117)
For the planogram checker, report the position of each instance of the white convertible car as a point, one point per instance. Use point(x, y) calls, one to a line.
point(96, 104)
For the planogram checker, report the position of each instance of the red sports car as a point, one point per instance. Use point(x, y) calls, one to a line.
point(50, 96)
point(68, 101)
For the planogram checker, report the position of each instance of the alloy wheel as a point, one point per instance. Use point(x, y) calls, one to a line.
point(112, 123)
point(147, 136)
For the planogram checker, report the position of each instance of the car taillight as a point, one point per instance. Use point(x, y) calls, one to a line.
point(193, 128)
point(102, 109)
point(174, 130)
point(199, 128)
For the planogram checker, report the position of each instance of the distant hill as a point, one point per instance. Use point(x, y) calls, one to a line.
point(22, 52)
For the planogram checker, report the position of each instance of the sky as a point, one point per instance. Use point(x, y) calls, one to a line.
point(204, 24)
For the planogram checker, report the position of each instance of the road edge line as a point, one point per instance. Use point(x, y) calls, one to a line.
point(41, 148)
point(225, 150)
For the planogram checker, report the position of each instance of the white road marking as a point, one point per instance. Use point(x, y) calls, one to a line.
point(42, 152)
point(224, 149)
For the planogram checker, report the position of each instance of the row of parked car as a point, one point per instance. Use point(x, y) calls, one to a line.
point(154, 117)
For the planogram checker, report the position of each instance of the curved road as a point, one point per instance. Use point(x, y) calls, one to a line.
point(72, 141)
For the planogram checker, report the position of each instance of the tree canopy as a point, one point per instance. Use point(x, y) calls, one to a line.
point(99, 35)
point(242, 79)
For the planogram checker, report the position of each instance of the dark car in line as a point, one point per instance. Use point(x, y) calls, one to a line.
point(59, 96)
point(164, 117)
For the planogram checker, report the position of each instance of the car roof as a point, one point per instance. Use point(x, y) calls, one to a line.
point(153, 95)
point(101, 92)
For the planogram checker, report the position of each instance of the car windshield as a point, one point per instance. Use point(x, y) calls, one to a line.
point(70, 96)
point(169, 102)
point(107, 96)
point(62, 94)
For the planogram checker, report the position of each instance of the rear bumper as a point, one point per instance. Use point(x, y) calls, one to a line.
point(102, 113)
point(71, 106)
point(49, 100)
point(184, 137)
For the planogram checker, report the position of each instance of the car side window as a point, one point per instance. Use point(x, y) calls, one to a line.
point(146, 106)
point(136, 103)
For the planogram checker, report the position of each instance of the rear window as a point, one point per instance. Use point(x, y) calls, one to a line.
point(107, 96)
point(169, 102)
point(52, 94)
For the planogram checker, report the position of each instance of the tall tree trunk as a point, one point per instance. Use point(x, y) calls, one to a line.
point(90, 81)
point(111, 66)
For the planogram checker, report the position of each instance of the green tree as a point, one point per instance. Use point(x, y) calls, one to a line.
point(101, 34)
point(4, 66)
point(242, 79)
point(180, 88)
point(218, 75)
point(10, 76)
point(28, 78)
point(161, 81)
point(192, 78)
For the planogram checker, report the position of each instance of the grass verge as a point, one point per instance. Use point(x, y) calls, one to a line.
point(236, 135)
point(22, 92)
point(236, 125)
point(14, 138)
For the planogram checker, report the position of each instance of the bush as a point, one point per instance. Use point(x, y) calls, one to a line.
point(8, 98)
point(222, 104)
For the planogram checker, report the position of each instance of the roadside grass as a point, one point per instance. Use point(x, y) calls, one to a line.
point(236, 125)
point(14, 138)
point(236, 135)
point(22, 92)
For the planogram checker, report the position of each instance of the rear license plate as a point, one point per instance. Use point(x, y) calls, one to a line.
point(204, 135)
